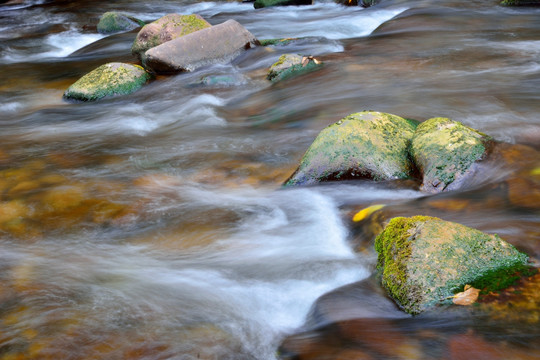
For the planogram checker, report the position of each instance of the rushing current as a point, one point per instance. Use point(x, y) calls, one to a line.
point(154, 225)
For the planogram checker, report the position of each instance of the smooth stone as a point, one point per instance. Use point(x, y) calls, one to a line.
point(216, 44)
point(166, 28)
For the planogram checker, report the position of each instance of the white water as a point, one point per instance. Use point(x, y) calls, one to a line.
point(258, 283)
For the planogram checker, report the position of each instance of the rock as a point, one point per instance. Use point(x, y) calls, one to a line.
point(368, 3)
point(277, 42)
point(424, 261)
point(267, 3)
point(113, 21)
point(289, 65)
point(368, 144)
point(108, 80)
point(219, 43)
point(166, 28)
point(520, 2)
point(445, 152)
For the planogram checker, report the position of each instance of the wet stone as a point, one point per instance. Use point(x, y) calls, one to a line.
point(111, 79)
point(365, 145)
point(268, 3)
point(423, 261)
point(290, 65)
point(445, 152)
point(166, 28)
point(112, 22)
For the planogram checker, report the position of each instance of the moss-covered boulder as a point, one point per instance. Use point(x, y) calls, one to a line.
point(446, 153)
point(267, 3)
point(108, 80)
point(112, 22)
point(424, 261)
point(290, 65)
point(166, 28)
point(368, 144)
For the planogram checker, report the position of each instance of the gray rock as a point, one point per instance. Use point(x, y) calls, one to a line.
point(219, 43)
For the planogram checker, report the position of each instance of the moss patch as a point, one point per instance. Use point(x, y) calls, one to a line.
point(444, 151)
point(291, 65)
point(108, 80)
point(167, 28)
point(425, 260)
point(368, 144)
point(112, 22)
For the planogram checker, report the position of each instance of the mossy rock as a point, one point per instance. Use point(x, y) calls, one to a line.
point(423, 261)
point(368, 144)
point(112, 22)
point(108, 80)
point(277, 42)
point(267, 3)
point(445, 152)
point(166, 28)
point(520, 2)
point(291, 65)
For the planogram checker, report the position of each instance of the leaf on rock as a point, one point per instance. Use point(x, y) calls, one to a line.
point(467, 297)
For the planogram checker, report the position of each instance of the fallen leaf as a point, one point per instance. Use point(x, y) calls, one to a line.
point(364, 213)
point(467, 297)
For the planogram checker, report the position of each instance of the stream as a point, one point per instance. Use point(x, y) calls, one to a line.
point(154, 225)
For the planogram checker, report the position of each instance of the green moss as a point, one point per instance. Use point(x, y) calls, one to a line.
point(368, 145)
point(445, 150)
point(276, 42)
point(108, 80)
point(423, 261)
point(520, 2)
point(113, 21)
point(166, 28)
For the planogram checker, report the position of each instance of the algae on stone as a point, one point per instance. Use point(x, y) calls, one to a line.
point(290, 65)
point(423, 261)
point(166, 28)
point(445, 152)
point(368, 144)
point(113, 21)
point(108, 80)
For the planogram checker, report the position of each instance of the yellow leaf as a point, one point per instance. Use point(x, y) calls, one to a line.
point(535, 171)
point(364, 213)
point(467, 297)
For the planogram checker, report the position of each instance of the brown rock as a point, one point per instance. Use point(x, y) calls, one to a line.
point(219, 43)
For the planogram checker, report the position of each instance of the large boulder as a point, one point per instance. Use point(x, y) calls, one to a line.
point(290, 65)
point(424, 261)
point(267, 3)
point(219, 43)
point(166, 28)
point(368, 144)
point(112, 22)
point(446, 152)
point(108, 80)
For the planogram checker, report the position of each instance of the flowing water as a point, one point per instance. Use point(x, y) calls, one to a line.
point(153, 226)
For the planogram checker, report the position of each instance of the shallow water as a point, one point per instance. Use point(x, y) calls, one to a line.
point(153, 225)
